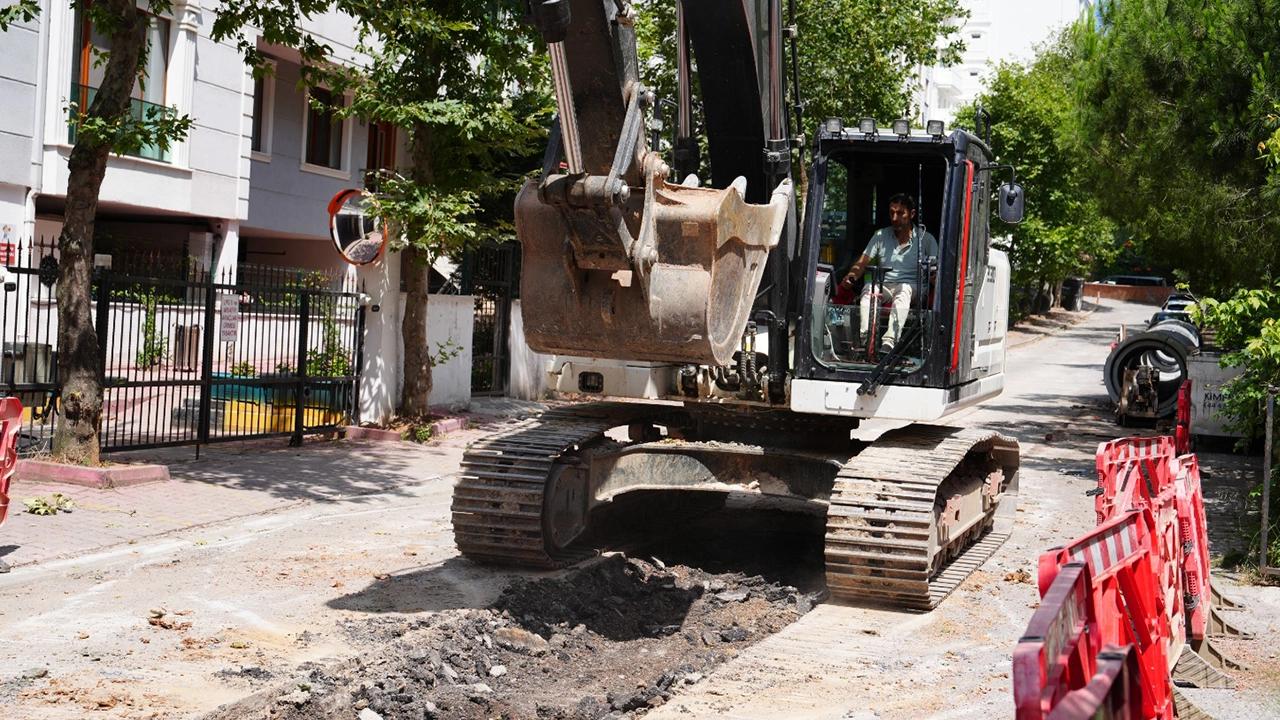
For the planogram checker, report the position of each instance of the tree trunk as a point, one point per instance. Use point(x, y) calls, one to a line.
point(79, 358)
point(416, 271)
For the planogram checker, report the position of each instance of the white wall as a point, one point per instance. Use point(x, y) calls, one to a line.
point(449, 317)
point(528, 372)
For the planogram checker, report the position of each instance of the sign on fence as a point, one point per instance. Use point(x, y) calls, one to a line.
point(229, 309)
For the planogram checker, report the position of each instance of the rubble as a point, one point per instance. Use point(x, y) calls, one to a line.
point(612, 639)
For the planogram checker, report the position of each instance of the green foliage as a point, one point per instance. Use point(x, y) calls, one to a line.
point(419, 432)
point(465, 80)
point(244, 369)
point(1248, 327)
point(1173, 98)
point(1064, 232)
point(51, 505)
point(152, 348)
point(332, 359)
point(20, 11)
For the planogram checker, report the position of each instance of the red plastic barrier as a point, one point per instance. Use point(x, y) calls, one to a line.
point(10, 421)
point(1130, 596)
point(1182, 422)
point(1143, 472)
point(1154, 454)
point(1056, 654)
point(1194, 534)
point(1113, 693)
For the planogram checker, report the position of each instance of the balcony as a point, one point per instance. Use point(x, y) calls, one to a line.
point(82, 95)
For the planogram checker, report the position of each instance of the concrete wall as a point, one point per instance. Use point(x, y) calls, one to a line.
point(1148, 294)
point(528, 373)
point(449, 317)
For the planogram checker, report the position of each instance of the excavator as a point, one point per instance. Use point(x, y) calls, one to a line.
point(698, 308)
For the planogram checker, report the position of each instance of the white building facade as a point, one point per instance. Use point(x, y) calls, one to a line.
point(247, 189)
point(249, 184)
point(996, 31)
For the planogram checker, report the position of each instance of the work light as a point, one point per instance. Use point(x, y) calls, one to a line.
point(867, 126)
point(902, 128)
point(936, 128)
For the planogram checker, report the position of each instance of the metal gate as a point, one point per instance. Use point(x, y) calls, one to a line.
point(491, 275)
point(187, 358)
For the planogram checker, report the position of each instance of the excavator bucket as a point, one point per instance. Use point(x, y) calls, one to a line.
point(694, 270)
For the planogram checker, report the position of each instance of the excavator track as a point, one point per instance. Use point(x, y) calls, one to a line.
point(499, 502)
point(882, 523)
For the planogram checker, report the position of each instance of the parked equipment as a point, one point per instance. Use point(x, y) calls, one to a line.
point(650, 285)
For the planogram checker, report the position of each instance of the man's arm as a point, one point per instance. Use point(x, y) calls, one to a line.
point(857, 269)
point(860, 267)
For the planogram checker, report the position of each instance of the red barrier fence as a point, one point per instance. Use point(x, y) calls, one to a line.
point(1112, 693)
point(10, 421)
point(1138, 584)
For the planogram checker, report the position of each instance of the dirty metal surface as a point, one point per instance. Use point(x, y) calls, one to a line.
point(697, 259)
point(499, 501)
point(882, 526)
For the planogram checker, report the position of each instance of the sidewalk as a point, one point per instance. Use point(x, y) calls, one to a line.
point(226, 482)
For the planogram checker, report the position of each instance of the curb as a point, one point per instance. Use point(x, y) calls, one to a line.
point(439, 428)
point(103, 478)
point(1079, 319)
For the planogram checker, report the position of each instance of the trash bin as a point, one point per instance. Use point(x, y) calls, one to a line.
point(186, 347)
point(1072, 293)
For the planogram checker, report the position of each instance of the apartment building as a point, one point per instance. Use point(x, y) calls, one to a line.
point(996, 30)
point(250, 183)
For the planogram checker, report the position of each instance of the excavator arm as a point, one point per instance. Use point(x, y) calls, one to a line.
point(618, 262)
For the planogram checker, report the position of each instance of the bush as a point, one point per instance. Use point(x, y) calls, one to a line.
point(1248, 327)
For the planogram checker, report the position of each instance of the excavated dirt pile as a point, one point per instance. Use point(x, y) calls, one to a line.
point(610, 640)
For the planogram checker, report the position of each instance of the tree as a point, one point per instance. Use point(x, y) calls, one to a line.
point(107, 125)
point(1172, 100)
point(466, 82)
point(112, 124)
point(1064, 232)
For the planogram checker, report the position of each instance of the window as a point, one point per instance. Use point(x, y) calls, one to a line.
point(88, 70)
point(324, 132)
point(264, 90)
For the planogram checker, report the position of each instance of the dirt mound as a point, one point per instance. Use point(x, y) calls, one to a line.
point(610, 640)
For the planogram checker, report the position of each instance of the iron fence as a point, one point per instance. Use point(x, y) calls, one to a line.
point(490, 274)
point(188, 357)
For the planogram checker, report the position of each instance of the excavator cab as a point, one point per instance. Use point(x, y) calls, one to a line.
point(951, 334)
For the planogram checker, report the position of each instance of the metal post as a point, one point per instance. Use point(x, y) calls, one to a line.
point(301, 383)
point(102, 321)
point(355, 409)
point(206, 363)
point(1266, 486)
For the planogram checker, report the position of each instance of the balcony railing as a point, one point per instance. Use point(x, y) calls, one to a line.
point(82, 96)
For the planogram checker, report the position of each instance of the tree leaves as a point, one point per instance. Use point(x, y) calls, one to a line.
point(1172, 100)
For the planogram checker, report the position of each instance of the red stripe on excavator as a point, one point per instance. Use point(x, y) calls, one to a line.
point(964, 266)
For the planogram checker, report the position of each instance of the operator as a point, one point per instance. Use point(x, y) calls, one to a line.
point(898, 249)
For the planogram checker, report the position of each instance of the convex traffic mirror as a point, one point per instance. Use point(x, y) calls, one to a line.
point(357, 235)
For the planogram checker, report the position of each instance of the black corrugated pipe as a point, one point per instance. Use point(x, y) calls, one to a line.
point(1164, 347)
